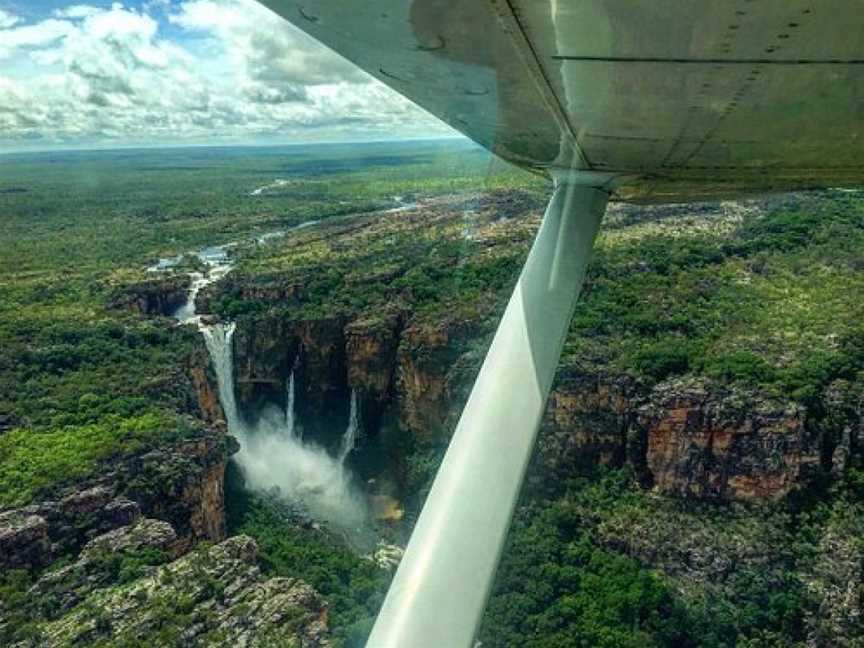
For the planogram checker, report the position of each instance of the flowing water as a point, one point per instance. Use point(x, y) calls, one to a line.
point(349, 438)
point(273, 455)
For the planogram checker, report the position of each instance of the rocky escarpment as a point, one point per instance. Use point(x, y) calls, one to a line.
point(153, 297)
point(204, 386)
point(395, 368)
point(181, 484)
point(213, 596)
point(370, 354)
point(710, 442)
point(417, 297)
point(685, 437)
point(410, 371)
point(268, 349)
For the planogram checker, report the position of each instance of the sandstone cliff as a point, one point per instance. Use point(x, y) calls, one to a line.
point(685, 437)
point(154, 297)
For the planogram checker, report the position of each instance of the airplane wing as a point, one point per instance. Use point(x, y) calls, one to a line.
point(674, 100)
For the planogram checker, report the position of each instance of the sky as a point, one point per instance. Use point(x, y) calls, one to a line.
point(182, 72)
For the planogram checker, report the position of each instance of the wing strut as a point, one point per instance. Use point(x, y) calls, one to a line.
point(440, 590)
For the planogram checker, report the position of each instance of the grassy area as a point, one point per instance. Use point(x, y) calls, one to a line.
point(34, 460)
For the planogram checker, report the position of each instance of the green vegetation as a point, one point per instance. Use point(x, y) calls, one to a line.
point(574, 571)
point(428, 263)
point(557, 588)
point(770, 300)
point(32, 460)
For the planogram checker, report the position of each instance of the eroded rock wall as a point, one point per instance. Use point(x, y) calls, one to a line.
point(686, 437)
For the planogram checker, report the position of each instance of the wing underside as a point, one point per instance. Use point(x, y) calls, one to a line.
point(669, 100)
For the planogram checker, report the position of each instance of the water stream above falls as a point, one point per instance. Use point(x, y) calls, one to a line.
point(273, 456)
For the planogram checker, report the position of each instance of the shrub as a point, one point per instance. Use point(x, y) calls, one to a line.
point(663, 359)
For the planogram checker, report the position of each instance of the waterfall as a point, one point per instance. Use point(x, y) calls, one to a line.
point(218, 338)
point(273, 457)
point(349, 438)
point(290, 425)
point(186, 312)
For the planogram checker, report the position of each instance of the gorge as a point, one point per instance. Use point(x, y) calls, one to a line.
point(272, 453)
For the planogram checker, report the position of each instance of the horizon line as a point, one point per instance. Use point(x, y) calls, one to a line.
point(163, 146)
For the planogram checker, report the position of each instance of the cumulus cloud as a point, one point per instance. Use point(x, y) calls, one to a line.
point(230, 70)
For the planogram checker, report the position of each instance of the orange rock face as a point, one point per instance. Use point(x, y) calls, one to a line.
point(370, 350)
point(684, 438)
point(205, 498)
point(421, 383)
point(206, 393)
point(711, 443)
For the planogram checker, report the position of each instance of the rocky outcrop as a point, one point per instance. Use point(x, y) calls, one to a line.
point(684, 437)
point(155, 297)
point(24, 540)
point(713, 443)
point(589, 422)
point(214, 596)
point(437, 365)
point(264, 290)
point(96, 565)
point(33, 536)
point(181, 484)
point(205, 387)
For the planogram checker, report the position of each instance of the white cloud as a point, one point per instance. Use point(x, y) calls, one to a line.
point(39, 35)
point(264, 46)
point(235, 72)
point(8, 19)
point(76, 11)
